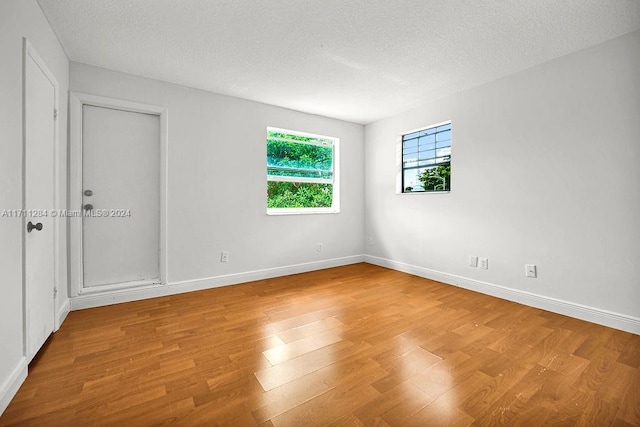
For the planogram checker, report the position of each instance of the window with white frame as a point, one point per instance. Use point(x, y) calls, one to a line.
point(301, 172)
point(426, 159)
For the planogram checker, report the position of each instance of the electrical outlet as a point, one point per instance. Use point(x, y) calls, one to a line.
point(530, 270)
point(370, 241)
point(319, 248)
point(224, 256)
point(473, 261)
point(484, 263)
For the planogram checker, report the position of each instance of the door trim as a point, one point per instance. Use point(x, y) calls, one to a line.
point(76, 102)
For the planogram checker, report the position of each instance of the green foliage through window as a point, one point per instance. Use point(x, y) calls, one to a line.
point(436, 178)
point(300, 170)
point(299, 195)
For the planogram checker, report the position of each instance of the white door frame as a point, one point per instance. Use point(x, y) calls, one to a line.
point(30, 52)
point(76, 102)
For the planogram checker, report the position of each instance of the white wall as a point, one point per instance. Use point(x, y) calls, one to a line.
point(18, 19)
point(545, 170)
point(217, 181)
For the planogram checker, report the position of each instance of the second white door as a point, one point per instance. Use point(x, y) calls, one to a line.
point(121, 197)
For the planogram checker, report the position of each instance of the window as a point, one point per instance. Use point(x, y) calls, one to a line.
point(301, 173)
point(426, 160)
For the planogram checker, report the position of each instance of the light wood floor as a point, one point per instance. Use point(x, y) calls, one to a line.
point(355, 345)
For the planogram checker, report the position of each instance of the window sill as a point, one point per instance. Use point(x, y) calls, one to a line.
point(423, 192)
point(301, 211)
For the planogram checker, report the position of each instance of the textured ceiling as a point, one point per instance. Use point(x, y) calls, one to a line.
point(357, 60)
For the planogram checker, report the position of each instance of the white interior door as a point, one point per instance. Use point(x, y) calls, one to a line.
point(40, 93)
point(121, 197)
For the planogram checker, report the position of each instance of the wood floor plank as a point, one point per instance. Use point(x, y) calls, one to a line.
point(283, 398)
point(299, 347)
point(405, 367)
point(310, 329)
point(356, 345)
point(629, 410)
point(328, 407)
point(394, 406)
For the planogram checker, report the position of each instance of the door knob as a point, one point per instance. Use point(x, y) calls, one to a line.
point(88, 193)
point(88, 207)
point(31, 227)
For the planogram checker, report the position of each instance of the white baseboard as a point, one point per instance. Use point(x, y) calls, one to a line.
point(567, 308)
point(11, 385)
point(62, 314)
point(153, 291)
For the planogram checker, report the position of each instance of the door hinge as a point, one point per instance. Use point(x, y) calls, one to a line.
point(55, 114)
point(55, 292)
